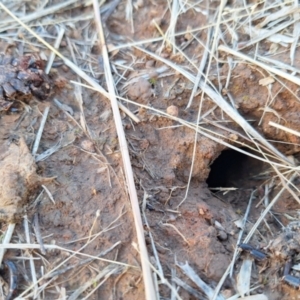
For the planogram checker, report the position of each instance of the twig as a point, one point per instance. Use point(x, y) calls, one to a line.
point(201, 67)
point(40, 131)
point(31, 261)
point(188, 288)
point(268, 33)
point(241, 231)
point(148, 282)
point(6, 240)
point(284, 128)
point(106, 272)
point(37, 230)
point(48, 193)
point(158, 264)
point(260, 64)
point(56, 46)
point(177, 230)
point(83, 262)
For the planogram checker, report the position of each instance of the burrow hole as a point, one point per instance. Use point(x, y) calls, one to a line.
point(235, 169)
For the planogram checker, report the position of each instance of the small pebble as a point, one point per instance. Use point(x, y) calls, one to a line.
point(227, 293)
point(63, 43)
point(150, 64)
point(222, 235)
point(65, 68)
point(87, 145)
point(173, 111)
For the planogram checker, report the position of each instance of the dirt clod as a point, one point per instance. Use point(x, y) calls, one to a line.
point(18, 179)
point(21, 78)
point(172, 110)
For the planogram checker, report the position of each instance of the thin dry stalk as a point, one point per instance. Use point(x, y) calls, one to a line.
point(48, 193)
point(166, 282)
point(191, 274)
point(56, 46)
point(81, 263)
point(78, 97)
point(158, 264)
point(296, 31)
point(177, 230)
point(284, 128)
point(245, 218)
point(188, 288)
point(6, 240)
point(201, 67)
point(106, 273)
point(148, 282)
point(31, 260)
point(173, 21)
point(37, 230)
point(268, 33)
point(40, 131)
point(129, 17)
point(280, 73)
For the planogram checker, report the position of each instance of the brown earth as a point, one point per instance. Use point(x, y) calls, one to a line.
point(89, 191)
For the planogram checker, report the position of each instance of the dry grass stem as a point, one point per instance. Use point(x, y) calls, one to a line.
point(166, 282)
point(188, 288)
point(158, 264)
point(48, 194)
point(60, 35)
point(106, 273)
point(40, 131)
point(263, 34)
point(44, 12)
point(31, 260)
point(201, 67)
point(81, 263)
point(147, 277)
point(177, 230)
point(243, 278)
point(37, 231)
point(284, 128)
point(241, 233)
point(191, 274)
point(8, 235)
point(280, 73)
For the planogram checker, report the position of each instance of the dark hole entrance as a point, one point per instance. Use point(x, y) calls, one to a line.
point(233, 169)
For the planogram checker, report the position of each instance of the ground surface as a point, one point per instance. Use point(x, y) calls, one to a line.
point(90, 206)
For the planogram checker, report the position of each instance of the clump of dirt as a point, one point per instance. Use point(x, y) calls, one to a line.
point(18, 179)
point(21, 78)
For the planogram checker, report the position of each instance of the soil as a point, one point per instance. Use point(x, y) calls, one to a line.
point(86, 197)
